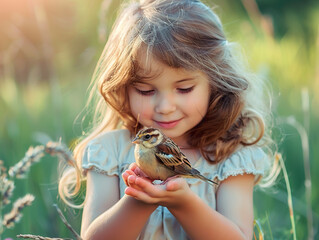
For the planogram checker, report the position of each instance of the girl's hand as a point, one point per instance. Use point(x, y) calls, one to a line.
point(135, 171)
point(172, 194)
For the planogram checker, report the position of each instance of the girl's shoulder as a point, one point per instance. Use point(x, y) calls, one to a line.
point(246, 160)
point(107, 152)
point(112, 137)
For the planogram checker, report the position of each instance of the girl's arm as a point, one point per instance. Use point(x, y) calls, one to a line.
point(232, 220)
point(106, 216)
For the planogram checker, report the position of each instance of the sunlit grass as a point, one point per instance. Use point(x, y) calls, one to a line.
point(38, 110)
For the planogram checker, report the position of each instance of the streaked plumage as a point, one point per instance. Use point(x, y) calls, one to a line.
point(160, 158)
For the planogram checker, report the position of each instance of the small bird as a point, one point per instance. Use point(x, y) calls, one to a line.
point(160, 158)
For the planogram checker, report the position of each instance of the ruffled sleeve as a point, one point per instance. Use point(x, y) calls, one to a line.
point(101, 156)
point(250, 160)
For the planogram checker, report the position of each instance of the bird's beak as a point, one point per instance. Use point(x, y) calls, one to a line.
point(136, 140)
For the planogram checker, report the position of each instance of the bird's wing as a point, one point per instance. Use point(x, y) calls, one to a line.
point(171, 156)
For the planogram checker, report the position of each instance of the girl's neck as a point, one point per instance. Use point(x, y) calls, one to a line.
point(182, 142)
point(192, 154)
point(186, 147)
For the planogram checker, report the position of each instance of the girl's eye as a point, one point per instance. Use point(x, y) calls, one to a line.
point(185, 90)
point(145, 92)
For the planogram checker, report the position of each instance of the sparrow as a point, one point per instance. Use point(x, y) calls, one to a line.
point(160, 158)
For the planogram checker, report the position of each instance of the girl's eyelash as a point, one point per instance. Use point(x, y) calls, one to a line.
point(145, 93)
point(185, 90)
point(151, 92)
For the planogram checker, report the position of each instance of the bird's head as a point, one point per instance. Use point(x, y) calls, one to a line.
point(149, 137)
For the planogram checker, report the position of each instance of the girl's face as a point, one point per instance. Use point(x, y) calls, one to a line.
point(173, 100)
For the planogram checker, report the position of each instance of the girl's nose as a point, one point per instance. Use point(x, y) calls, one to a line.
point(165, 104)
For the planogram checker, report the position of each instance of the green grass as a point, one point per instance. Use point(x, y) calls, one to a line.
point(39, 109)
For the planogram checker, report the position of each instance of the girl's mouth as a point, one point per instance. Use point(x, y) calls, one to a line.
point(167, 125)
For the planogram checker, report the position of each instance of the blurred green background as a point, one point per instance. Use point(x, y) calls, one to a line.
point(48, 51)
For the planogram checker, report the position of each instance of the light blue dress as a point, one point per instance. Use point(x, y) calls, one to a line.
point(111, 153)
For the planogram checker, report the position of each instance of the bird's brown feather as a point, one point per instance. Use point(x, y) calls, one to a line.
point(171, 156)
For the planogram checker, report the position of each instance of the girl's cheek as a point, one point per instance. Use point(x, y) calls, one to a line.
point(142, 110)
point(146, 112)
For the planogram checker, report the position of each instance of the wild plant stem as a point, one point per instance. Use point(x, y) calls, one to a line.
point(290, 205)
point(272, 238)
point(260, 231)
point(78, 237)
point(305, 150)
point(37, 237)
point(304, 133)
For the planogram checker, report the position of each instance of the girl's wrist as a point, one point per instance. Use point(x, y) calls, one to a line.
point(185, 199)
point(141, 204)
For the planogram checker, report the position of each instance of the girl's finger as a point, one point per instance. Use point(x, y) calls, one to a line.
point(130, 172)
point(175, 184)
point(131, 180)
point(139, 195)
point(149, 188)
point(133, 166)
point(124, 177)
point(126, 174)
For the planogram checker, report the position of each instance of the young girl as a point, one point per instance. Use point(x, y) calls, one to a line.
point(167, 64)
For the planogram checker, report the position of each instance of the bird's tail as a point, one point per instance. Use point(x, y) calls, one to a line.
point(206, 179)
point(196, 174)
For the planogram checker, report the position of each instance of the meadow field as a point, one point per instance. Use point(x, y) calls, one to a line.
point(48, 51)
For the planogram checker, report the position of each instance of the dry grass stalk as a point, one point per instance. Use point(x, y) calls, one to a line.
point(290, 205)
point(32, 156)
point(6, 190)
point(6, 186)
point(20, 170)
point(15, 215)
point(302, 131)
point(59, 150)
point(29, 236)
point(78, 237)
point(3, 170)
point(63, 153)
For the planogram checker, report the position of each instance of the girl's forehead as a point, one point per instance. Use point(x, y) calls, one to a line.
point(149, 67)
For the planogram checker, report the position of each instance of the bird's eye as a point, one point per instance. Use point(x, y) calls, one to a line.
point(147, 137)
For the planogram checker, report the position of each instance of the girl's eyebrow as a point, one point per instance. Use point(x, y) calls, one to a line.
point(178, 81)
point(140, 81)
point(145, 80)
point(187, 79)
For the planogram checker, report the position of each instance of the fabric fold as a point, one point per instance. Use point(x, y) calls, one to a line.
point(249, 160)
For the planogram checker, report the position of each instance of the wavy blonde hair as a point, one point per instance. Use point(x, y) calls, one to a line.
point(181, 34)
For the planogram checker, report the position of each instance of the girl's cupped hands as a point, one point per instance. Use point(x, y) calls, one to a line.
point(172, 193)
